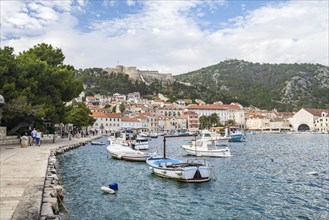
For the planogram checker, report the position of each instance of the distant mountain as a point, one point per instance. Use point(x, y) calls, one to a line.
point(286, 87)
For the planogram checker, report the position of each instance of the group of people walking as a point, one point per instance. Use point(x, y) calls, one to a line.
point(36, 137)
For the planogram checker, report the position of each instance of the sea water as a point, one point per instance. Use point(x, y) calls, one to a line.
point(268, 177)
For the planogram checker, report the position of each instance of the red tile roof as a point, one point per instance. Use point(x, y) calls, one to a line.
point(214, 107)
point(105, 115)
point(129, 120)
point(316, 112)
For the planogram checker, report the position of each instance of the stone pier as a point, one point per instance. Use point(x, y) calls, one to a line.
point(24, 173)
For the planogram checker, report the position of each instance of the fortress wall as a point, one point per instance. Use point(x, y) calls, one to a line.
point(136, 74)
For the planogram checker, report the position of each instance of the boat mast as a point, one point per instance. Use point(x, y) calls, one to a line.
point(164, 142)
point(164, 147)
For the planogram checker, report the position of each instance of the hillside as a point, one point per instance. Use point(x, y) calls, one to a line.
point(97, 81)
point(283, 86)
point(286, 87)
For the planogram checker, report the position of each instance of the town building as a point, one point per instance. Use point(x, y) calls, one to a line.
point(224, 112)
point(306, 119)
point(192, 121)
point(133, 97)
point(170, 111)
point(131, 123)
point(322, 123)
point(106, 121)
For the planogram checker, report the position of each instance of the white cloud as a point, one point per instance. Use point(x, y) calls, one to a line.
point(131, 2)
point(109, 3)
point(166, 36)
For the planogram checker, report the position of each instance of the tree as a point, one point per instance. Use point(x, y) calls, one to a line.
point(230, 122)
point(122, 107)
point(204, 122)
point(36, 84)
point(79, 115)
point(214, 120)
point(114, 109)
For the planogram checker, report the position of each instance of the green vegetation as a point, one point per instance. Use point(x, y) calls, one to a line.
point(206, 122)
point(79, 115)
point(264, 85)
point(107, 84)
point(286, 87)
point(36, 84)
point(99, 82)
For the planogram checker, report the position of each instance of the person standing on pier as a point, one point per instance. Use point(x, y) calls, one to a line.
point(33, 134)
point(38, 138)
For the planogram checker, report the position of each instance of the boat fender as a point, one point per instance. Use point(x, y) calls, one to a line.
point(107, 190)
point(114, 186)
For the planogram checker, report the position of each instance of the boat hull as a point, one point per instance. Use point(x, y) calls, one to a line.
point(236, 138)
point(174, 169)
point(191, 150)
point(97, 143)
point(126, 153)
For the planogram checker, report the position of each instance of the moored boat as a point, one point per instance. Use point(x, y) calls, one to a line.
point(97, 143)
point(192, 171)
point(139, 143)
point(219, 139)
point(121, 152)
point(207, 148)
point(235, 134)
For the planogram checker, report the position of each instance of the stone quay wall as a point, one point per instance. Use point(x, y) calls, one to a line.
point(53, 192)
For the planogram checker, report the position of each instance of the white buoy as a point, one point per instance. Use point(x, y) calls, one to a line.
point(106, 189)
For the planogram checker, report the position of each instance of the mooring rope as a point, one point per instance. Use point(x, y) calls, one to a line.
point(62, 203)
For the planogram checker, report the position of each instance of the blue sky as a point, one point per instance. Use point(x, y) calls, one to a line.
point(169, 36)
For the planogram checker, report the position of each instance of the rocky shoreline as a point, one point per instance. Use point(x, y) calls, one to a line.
point(53, 191)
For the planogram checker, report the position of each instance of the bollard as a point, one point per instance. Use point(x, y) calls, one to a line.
point(24, 141)
point(54, 138)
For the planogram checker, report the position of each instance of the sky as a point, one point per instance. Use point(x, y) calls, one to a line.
point(172, 36)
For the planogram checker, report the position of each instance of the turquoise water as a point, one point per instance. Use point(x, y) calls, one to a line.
point(266, 178)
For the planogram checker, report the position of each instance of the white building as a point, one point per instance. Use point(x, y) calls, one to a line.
point(306, 118)
point(134, 97)
point(224, 112)
point(106, 121)
point(119, 98)
point(131, 123)
point(322, 123)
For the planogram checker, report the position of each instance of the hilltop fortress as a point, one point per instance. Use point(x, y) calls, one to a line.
point(146, 76)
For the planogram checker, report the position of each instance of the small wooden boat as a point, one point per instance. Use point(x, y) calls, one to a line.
point(192, 171)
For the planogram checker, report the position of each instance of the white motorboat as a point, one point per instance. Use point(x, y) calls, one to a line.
point(204, 147)
point(192, 171)
point(139, 143)
point(121, 152)
point(236, 134)
point(219, 140)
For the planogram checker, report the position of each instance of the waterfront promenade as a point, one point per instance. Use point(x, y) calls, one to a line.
point(22, 177)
